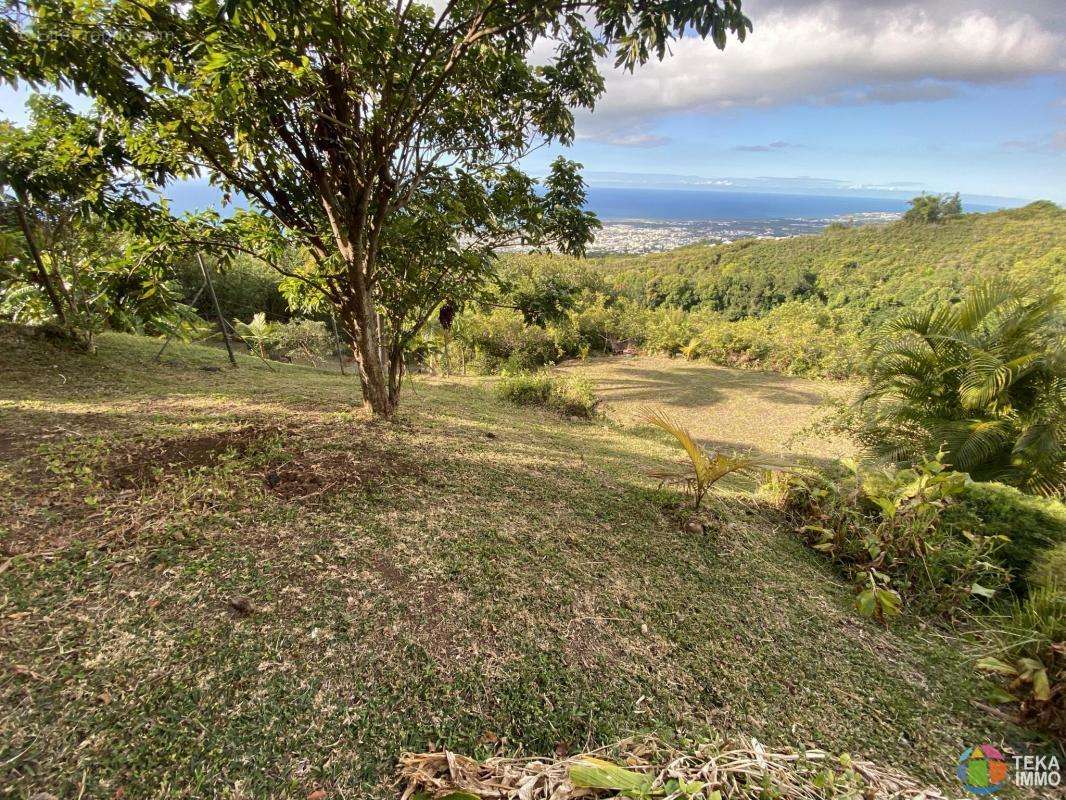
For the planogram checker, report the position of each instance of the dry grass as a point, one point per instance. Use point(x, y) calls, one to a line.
point(724, 409)
point(738, 770)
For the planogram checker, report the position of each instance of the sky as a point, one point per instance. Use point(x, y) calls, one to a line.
point(942, 96)
point(966, 95)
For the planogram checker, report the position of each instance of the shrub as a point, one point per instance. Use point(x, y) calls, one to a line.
point(606, 326)
point(1026, 646)
point(890, 532)
point(502, 341)
point(1049, 568)
point(669, 330)
point(302, 338)
point(1031, 524)
point(984, 379)
point(797, 337)
point(243, 287)
point(566, 395)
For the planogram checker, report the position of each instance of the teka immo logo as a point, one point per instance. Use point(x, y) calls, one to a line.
point(984, 770)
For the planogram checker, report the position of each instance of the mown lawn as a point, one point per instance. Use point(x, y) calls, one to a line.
point(472, 576)
point(731, 409)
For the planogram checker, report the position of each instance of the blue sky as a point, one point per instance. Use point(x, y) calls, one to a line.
point(945, 96)
point(965, 95)
point(987, 140)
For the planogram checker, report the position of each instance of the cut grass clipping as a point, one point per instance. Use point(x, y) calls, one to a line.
point(646, 769)
point(566, 395)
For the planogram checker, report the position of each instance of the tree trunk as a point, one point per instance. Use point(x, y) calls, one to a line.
point(361, 323)
point(43, 278)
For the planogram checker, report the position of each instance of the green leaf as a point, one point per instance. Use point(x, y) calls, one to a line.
point(997, 694)
point(1041, 685)
point(888, 601)
point(990, 664)
point(595, 773)
point(866, 602)
point(982, 591)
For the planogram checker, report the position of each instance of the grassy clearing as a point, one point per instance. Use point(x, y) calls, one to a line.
point(476, 576)
point(765, 412)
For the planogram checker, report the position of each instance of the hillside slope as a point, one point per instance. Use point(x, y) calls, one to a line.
point(230, 583)
point(868, 267)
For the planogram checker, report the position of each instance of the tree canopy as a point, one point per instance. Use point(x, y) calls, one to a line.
point(381, 137)
point(75, 214)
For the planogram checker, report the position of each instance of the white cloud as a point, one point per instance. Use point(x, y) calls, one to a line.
point(832, 53)
point(1055, 143)
point(631, 138)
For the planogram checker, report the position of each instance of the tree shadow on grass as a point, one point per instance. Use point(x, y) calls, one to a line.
point(687, 385)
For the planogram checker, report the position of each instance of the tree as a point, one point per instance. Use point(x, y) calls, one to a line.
point(932, 208)
point(71, 205)
point(983, 379)
point(542, 297)
point(381, 136)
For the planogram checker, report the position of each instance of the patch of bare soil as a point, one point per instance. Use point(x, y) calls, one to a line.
point(151, 463)
point(13, 446)
point(21, 432)
point(308, 473)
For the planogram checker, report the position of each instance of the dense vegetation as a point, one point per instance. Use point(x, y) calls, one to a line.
point(873, 269)
point(802, 305)
point(983, 380)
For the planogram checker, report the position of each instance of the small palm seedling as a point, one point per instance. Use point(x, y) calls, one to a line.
point(707, 467)
point(259, 334)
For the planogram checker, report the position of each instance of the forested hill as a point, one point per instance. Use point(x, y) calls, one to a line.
point(867, 268)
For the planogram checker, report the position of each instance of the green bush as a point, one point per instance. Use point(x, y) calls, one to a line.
point(604, 326)
point(984, 379)
point(1049, 568)
point(301, 339)
point(244, 287)
point(1032, 524)
point(798, 337)
point(893, 532)
point(566, 395)
point(1024, 648)
point(501, 341)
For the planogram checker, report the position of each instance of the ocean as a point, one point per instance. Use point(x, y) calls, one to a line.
point(646, 220)
point(669, 205)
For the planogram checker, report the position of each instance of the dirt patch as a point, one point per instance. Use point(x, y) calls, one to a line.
point(13, 447)
point(425, 611)
point(153, 462)
point(22, 431)
point(312, 473)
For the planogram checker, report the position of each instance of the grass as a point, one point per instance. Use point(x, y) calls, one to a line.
point(472, 575)
point(767, 413)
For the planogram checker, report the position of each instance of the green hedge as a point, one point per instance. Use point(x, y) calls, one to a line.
point(570, 396)
point(1033, 524)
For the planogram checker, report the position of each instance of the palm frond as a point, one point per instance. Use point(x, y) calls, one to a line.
point(707, 468)
point(981, 301)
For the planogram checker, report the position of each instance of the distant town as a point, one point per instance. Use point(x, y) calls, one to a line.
point(647, 236)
